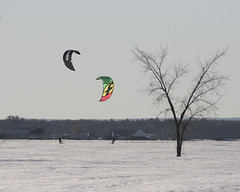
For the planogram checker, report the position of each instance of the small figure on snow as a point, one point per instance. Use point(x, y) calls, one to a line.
point(113, 137)
point(60, 140)
point(113, 140)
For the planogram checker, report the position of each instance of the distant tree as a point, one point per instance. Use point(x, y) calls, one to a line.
point(14, 118)
point(199, 100)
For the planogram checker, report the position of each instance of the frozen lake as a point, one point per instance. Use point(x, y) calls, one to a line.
point(76, 166)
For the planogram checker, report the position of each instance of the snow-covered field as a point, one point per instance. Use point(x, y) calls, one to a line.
point(76, 166)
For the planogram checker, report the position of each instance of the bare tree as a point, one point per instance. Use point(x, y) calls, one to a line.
point(199, 100)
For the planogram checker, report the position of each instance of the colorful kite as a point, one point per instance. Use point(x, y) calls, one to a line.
point(67, 58)
point(108, 87)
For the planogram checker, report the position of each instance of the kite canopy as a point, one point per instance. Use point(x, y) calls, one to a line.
point(67, 58)
point(108, 87)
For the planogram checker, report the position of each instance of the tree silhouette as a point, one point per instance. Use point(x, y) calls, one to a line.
point(200, 99)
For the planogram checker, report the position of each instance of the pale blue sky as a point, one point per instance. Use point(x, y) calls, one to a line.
point(34, 34)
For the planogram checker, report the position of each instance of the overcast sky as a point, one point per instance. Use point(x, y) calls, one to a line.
point(34, 82)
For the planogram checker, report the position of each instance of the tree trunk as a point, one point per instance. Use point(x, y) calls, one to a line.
point(179, 146)
point(179, 150)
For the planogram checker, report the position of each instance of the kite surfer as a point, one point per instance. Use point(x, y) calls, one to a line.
point(60, 140)
point(113, 137)
point(113, 140)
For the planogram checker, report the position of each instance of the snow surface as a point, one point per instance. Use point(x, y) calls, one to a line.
point(45, 165)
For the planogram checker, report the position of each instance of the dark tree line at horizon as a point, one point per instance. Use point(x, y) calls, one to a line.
point(162, 128)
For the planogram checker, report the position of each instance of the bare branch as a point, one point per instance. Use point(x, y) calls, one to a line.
point(178, 72)
point(203, 81)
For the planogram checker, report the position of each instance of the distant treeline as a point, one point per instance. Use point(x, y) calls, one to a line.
point(14, 127)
